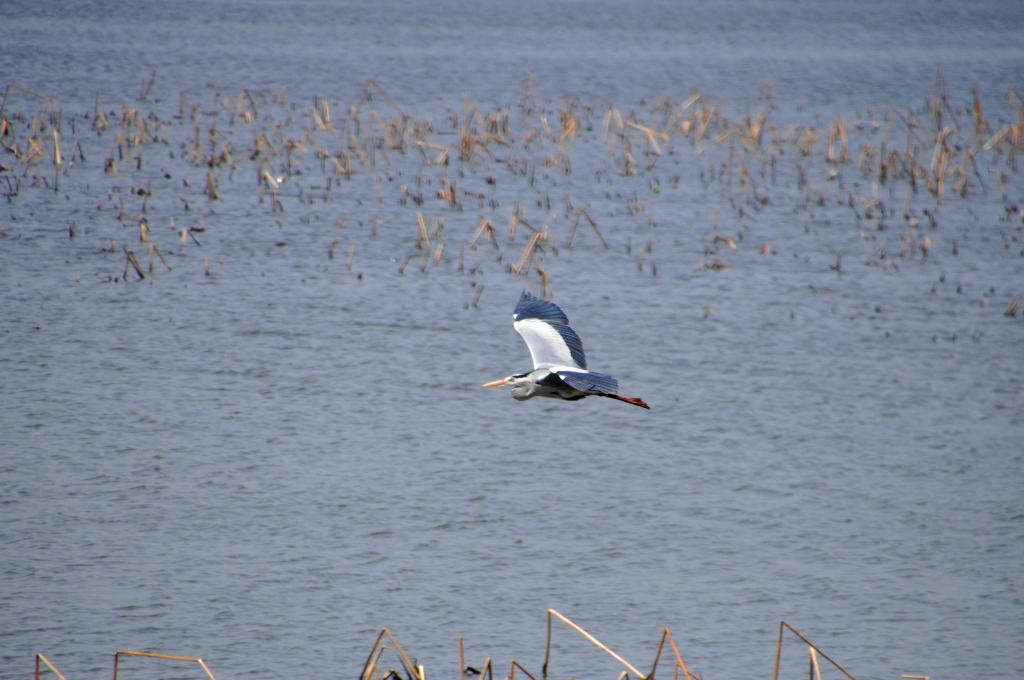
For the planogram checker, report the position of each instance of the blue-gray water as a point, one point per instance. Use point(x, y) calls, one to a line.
point(265, 464)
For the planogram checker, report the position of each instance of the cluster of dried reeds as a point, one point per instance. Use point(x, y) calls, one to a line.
point(372, 156)
point(386, 644)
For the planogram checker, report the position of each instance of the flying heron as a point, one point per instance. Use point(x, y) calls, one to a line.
point(559, 365)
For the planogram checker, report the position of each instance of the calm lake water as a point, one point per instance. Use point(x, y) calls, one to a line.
point(276, 444)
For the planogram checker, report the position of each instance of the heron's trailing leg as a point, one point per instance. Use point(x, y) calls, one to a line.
point(635, 401)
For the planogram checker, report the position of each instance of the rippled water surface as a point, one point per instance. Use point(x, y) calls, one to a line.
point(273, 446)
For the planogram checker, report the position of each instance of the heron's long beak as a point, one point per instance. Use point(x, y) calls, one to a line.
point(501, 382)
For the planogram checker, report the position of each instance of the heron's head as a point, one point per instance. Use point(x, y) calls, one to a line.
point(507, 381)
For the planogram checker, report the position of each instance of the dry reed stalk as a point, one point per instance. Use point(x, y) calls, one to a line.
point(222, 158)
point(141, 129)
point(588, 636)
point(519, 219)
point(14, 149)
point(343, 165)
point(57, 158)
point(512, 671)
point(559, 159)
point(883, 165)
point(783, 625)
point(422, 237)
point(130, 259)
point(704, 118)
point(253, 109)
point(757, 129)
point(485, 228)
point(569, 126)
point(980, 124)
point(997, 138)
point(468, 143)
point(271, 182)
point(262, 147)
point(147, 87)
point(43, 661)
point(962, 185)
point(527, 254)
point(1015, 307)
point(153, 249)
point(844, 149)
point(912, 163)
point(593, 225)
point(513, 221)
point(679, 657)
point(500, 140)
point(971, 154)
point(371, 667)
point(447, 194)
point(479, 294)
point(462, 661)
point(528, 99)
point(354, 145)
point(629, 164)
point(99, 119)
point(38, 124)
point(547, 127)
point(690, 101)
point(572, 229)
point(414, 671)
point(726, 240)
point(33, 151)
point(612, 122)
point(941, 148)
point(211, 188)
point(650, 135)
point(866, 163)
point(442, 156)
point(383, 94)
point(805, 143)
point(940, 176)
point(815, 672)
point(76, 152)
point(320, 112)
point(165, 657)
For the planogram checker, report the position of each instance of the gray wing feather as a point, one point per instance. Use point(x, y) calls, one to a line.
point(532, 307)
point(588, 381)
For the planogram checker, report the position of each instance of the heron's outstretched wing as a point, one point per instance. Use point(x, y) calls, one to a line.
point(545, 328)
point(588, 381)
